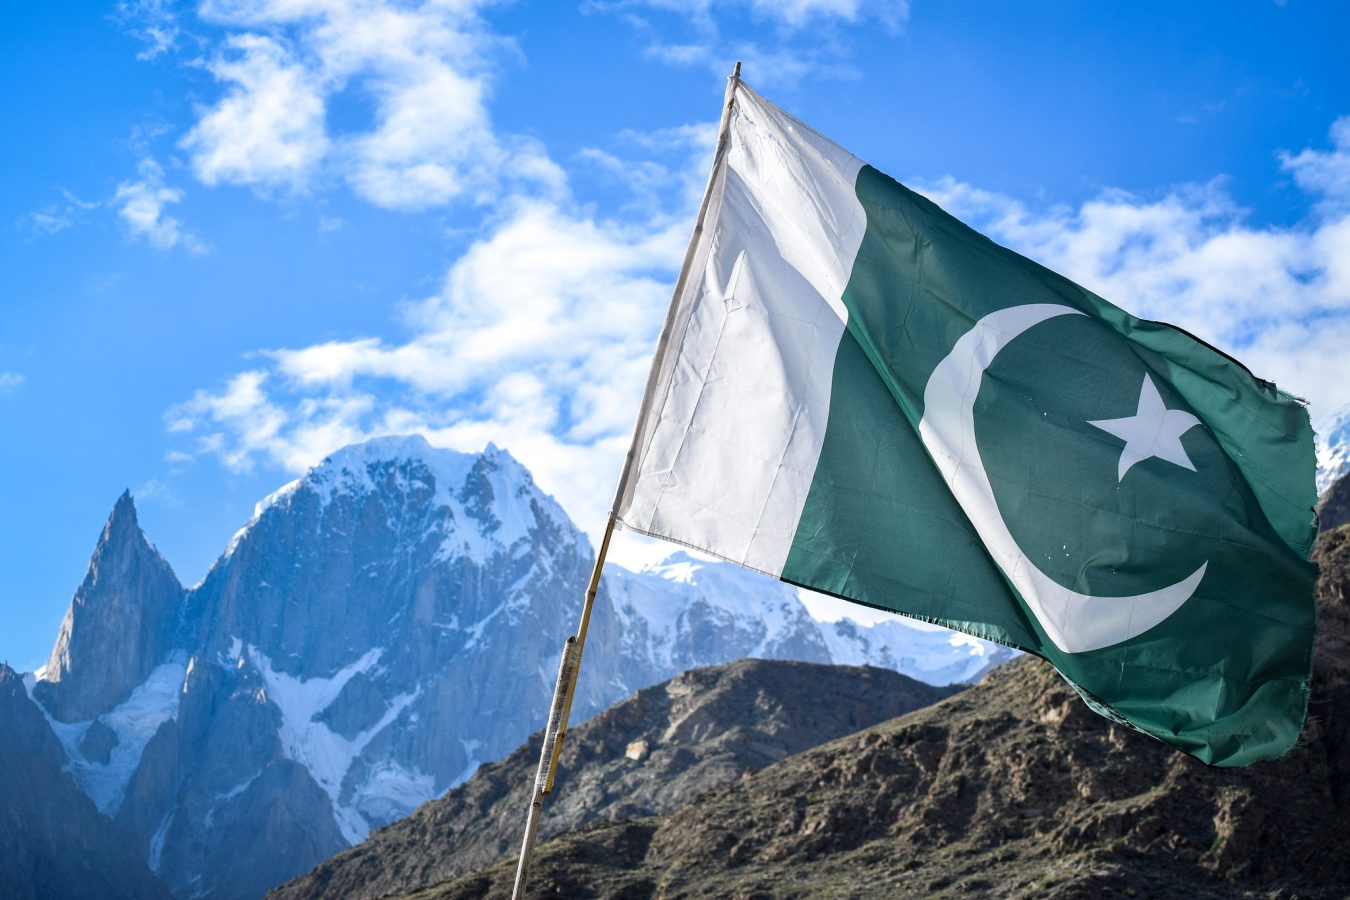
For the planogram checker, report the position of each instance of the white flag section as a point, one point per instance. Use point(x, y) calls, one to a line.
point(746, 359)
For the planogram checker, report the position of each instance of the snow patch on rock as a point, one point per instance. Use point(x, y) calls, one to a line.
point(154, 702)
point(225, 797)
point(157, 843)
point(936, 657)
point(660, 598)
point(654, 605)
point(390, 791)
point(327, 755)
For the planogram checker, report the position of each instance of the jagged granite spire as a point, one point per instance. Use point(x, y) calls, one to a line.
point(120, 623)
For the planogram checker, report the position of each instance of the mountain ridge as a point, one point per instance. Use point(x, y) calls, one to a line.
point(378, 629)
point(1011, 787)
point(645, 755)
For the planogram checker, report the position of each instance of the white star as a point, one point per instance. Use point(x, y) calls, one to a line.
point(1154, 430)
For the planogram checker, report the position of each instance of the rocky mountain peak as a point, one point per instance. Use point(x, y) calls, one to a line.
point(124, 513)
point(381, 627)
point(484, 502)
point(120, 623)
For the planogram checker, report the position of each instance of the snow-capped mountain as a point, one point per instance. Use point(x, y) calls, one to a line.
point(1333, 448)
point(682, 610)
point(380, 627)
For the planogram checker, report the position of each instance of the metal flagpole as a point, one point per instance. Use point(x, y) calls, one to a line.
point(555, 732)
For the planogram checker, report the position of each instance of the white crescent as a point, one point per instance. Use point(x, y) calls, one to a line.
point(1075, 622)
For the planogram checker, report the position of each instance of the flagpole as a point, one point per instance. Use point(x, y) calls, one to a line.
point(555, 732)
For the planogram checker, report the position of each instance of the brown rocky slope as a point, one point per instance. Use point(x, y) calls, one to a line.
point(1012, 788)
point(647, 755)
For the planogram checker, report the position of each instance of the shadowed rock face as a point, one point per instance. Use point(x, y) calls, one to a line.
point(53, 843)
point(647, 755)
point(119, 625)
point(1012, 787)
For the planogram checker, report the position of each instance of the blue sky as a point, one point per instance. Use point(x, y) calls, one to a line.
point(238, 234)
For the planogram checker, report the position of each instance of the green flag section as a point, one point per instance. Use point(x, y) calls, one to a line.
point(859, 394)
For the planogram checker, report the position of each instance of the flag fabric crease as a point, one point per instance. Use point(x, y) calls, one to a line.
point(858, 394)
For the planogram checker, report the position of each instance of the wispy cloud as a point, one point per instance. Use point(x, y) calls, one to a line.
point(780, 42)
point(786, 15)
point(57, 217)
point(154, 23)
point(141, 206)
point(158, 491)
point(539, 338)
point(10, 382)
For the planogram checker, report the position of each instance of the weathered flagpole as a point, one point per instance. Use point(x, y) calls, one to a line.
point(555, 732)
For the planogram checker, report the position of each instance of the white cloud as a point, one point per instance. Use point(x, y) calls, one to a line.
point(420, 68)
point(779, 42)
point(141, 205)
point(760, 64)
point(539, 340)
point(241, 423)
point(539, 337)
point(544, 286)
point(50, 219)
point(11, 381)
point(268, 129)
point(1277, 298)
point(1325, 172)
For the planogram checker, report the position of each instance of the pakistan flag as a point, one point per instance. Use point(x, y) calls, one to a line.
point(856, 393)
